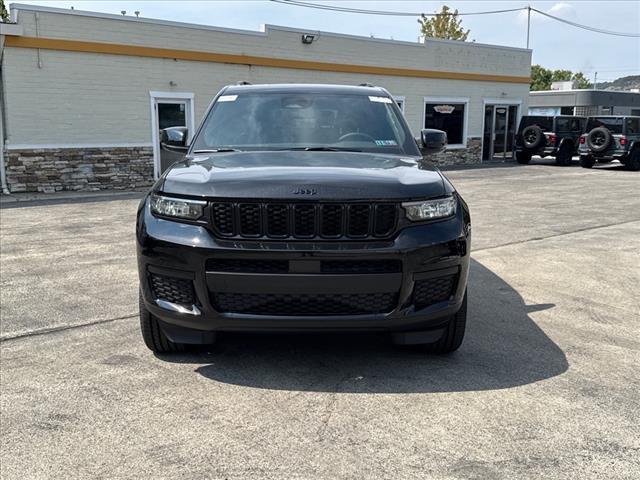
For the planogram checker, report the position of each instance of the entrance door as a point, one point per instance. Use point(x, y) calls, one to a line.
point(499, 131)
point(169, 110)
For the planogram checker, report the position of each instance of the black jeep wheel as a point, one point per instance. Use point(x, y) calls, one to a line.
point(453, 334)
point(599, 139)
point(633, 162)
point(153, 336)
point(587, 161)
point(564, 155)
point(523, 157)
point(532, 136)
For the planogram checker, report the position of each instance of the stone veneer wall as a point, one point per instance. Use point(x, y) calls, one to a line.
point(80, 169)
point(471, 155)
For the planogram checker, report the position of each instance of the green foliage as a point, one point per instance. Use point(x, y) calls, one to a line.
point(4, 14)
point(541, 78)
point(583, 82)
point(445, 25)
point(561, 75)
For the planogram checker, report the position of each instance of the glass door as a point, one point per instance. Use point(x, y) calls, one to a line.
point(170, 114)
point(500, 118)
point(499, 130)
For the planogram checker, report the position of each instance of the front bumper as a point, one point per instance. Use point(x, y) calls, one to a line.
point(231, 299)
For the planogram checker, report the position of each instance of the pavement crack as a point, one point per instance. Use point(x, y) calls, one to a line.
point(62, 328)
point(537, 239)
point(330, 408)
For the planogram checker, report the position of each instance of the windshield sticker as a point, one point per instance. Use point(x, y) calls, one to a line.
point(227, 98)
point(386, 143)
point(381, 99)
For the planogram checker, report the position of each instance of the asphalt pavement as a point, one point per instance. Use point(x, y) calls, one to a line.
point(545, 384)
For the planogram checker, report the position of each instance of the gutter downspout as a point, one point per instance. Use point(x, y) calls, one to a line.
point(3, 175)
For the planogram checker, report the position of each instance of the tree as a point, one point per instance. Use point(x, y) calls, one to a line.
point(561, 75)
point(443, 25)
point(541, 78)
point(582, 81)
point(4, 14)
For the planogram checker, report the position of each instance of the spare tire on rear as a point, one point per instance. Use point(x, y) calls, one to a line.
point(599, 139)
point(532, 136)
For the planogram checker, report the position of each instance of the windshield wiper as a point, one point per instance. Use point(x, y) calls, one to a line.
point(218, 150)
point(323, 149)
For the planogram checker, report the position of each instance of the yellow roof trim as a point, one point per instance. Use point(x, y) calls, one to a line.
point(198, 56)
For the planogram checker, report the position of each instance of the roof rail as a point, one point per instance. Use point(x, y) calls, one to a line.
point(365, 84)
point(243, 82)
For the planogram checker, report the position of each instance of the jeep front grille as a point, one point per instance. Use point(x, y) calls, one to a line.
point(277, 220)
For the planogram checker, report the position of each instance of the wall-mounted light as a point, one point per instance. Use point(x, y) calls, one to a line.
point(308, 38)
point(172, 83)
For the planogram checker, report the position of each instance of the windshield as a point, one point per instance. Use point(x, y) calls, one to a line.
point(613, 124)
point(292, 121)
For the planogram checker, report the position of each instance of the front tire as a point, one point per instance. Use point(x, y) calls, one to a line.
point(564, 155)
point(523, 158)
point(587, 161)
point(453, 333)
point(153, 336)
point(633, 163)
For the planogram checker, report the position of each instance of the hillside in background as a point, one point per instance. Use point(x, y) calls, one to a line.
point(623, 83)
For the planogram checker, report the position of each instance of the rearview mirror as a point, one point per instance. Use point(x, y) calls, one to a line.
point(174, 139)
point(432, 141)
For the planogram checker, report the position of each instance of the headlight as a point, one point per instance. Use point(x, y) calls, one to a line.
point(430, 209)
point(177, 207)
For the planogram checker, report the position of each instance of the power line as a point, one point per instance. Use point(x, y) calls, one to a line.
point(586, 27)
point(335, 8)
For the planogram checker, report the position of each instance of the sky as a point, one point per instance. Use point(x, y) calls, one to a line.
point(554, 44)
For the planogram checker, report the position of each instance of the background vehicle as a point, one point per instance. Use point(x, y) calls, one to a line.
point(548, 136)
point(303, 208)
point(611, 138)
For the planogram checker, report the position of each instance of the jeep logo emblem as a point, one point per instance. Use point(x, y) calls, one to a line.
point(305, 191)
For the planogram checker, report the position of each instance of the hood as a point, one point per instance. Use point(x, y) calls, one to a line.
point(304, 176)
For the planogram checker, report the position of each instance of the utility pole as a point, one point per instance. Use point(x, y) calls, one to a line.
point(528, 23)
point(595, 80)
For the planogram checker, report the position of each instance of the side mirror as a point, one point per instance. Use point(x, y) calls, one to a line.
point(174, 139)
point(432, 141)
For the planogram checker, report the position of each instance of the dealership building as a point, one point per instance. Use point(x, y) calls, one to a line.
point(85, 94)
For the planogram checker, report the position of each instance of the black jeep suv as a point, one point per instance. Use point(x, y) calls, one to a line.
point(611, 138)
point(303, 208)
point(548, 136)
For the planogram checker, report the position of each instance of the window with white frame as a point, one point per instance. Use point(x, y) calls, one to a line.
point(449, 115)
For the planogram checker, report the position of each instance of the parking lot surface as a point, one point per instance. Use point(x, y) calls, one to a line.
point(545, 384)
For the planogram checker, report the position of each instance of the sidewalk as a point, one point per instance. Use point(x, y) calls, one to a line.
point(37, 198)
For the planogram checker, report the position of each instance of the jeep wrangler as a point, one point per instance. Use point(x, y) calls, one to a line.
point(548, 136)
point(611, 138)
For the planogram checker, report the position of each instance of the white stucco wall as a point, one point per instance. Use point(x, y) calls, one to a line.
point(88, 98)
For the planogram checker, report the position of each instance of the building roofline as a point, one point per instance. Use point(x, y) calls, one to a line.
point(581, 90)
point(264, 29)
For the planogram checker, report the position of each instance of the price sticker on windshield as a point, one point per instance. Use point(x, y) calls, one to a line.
point(380, 99)
point(227, 98)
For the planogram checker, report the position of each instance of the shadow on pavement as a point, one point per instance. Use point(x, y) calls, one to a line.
point(503, 348)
